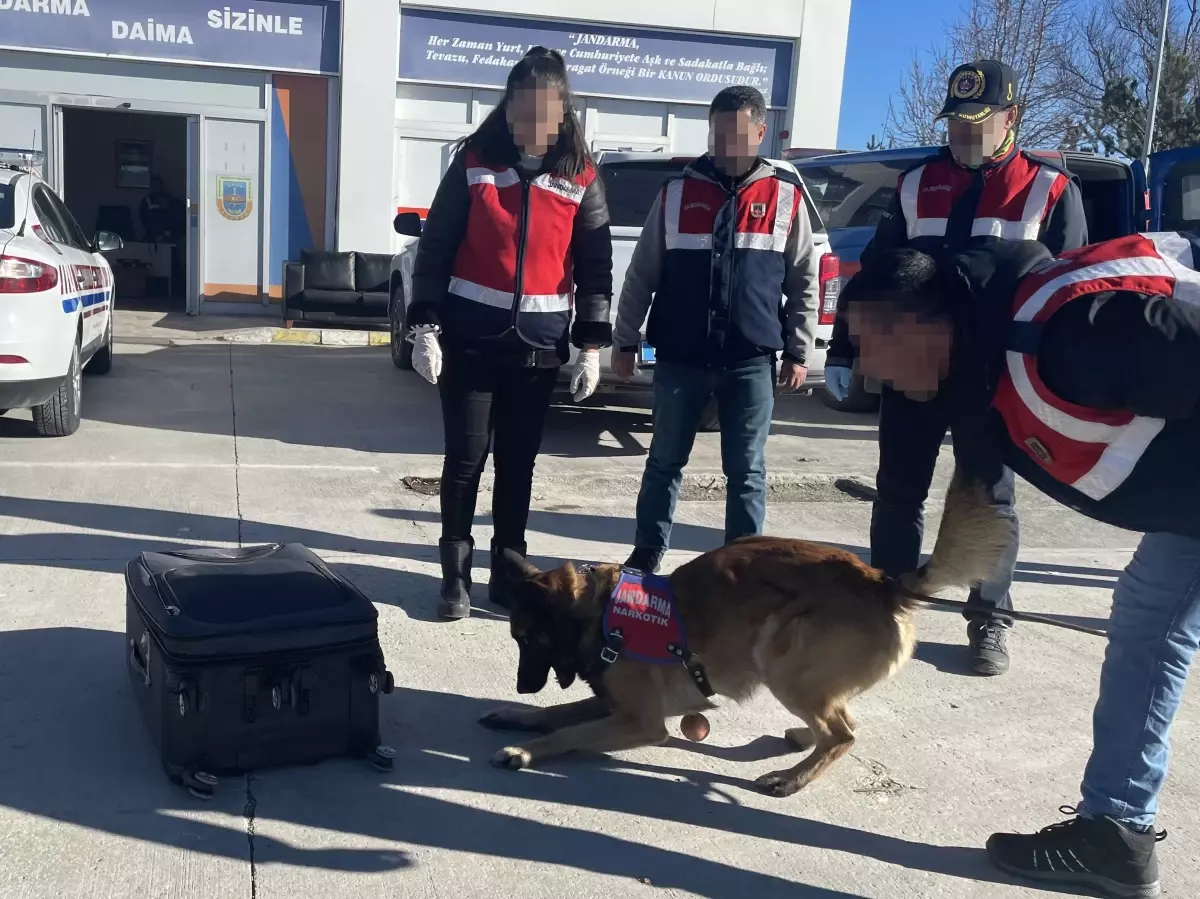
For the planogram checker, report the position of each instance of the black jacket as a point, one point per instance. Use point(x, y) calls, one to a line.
point(1065, 229)
point(1108, 352)
point(591, 257)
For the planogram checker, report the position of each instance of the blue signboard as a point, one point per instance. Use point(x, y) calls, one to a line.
point(276, 35)
point(605, 60)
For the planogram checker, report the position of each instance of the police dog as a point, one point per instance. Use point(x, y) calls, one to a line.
point(812, 623)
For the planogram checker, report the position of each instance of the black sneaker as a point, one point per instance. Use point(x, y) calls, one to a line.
point(989, 654)
point(647, 561)
point(1100, 853)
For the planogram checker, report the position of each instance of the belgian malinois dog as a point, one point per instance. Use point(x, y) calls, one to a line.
point(812, 623)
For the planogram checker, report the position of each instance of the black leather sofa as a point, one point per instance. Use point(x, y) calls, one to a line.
point(337, 287)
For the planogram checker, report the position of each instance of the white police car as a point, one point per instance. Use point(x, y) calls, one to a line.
point(56, 293)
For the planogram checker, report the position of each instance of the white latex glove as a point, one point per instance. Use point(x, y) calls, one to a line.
point(427, 352)
point(837, 381)
point(586, 377)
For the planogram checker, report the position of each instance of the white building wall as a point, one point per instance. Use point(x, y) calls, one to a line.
point(820, 67)
point(370, 49)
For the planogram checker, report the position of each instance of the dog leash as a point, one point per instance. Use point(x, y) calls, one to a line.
point(991, 610)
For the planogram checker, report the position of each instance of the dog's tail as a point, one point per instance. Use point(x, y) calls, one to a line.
point(973, 537)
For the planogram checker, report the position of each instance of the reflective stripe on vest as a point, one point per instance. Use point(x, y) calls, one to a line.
point(999, 195)
point(1093, 451)
point(503, 299)
point(774, 241)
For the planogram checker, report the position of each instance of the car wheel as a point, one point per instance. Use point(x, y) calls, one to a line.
point(102, 362)
point(858, 398)
point(59, 416)
point(402, 350)
point(710, 421)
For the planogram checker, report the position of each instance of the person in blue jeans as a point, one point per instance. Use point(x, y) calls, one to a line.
point(1116, 441)
point(723, 246)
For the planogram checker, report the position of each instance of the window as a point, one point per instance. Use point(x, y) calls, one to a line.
point(632, 186)
point(8, 212)
point(48, 218)
point(75, 235)
point(854, 195)
point(1181, 197)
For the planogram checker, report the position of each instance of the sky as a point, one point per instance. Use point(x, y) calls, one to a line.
point(883, 36)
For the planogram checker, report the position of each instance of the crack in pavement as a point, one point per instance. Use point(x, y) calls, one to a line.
point(249, 811)
point(237, 483)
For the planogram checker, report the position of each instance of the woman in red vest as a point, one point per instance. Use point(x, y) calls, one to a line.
point(514, 263)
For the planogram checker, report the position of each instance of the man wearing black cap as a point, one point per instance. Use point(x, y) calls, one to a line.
point(979, 188)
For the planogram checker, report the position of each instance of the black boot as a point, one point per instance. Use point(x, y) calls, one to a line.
point(457, 556)
point(500, 585)
point(989, 651)
point(647, 561)
point(1101, 854)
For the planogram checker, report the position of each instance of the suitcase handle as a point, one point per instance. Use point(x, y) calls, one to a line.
point(140, 665)
point(220, 554)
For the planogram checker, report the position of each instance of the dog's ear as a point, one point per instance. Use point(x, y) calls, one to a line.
point(564, 673)
point(514, 565)
point(563, 584)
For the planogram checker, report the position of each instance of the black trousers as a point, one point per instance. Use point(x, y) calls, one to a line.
point(910, 436)
point(486, 405)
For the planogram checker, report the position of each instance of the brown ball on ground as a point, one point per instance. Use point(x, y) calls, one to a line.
point(694, 727)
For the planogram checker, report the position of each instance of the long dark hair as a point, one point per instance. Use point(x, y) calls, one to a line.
point(493, 140)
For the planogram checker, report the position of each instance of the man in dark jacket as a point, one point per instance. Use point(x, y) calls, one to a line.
point(979, 189)
point(721, 248)
point(1092, 361)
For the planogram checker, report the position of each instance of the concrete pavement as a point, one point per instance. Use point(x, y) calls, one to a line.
point(216, 444)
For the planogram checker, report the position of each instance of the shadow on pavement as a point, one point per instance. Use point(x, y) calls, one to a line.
point(81, 698)
point(353, 398)
point(345, 398)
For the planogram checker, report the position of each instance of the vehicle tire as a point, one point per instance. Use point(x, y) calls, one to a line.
point(102, 362)
point(402, 350)
point(710, 421)
point(858, 399)
point(59, 416)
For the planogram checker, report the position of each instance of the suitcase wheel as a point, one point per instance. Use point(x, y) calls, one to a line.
point(376, 686)
point(383, 758)
point(200, 784)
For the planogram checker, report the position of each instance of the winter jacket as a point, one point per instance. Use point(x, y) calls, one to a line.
point(507, 255)
point(714, 262)
point(942, 207)
point(1095, 358)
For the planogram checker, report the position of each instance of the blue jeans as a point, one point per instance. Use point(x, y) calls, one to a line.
point(1153, 634)
point(745, 400)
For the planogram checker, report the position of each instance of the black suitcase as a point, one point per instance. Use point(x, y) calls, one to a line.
point(252, 658)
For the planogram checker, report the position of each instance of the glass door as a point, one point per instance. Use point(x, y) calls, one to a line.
point(231, 219)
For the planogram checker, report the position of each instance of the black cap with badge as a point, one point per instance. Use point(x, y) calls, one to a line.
point(978, 89)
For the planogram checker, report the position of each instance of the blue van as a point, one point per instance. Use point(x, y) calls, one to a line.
point(852, 190)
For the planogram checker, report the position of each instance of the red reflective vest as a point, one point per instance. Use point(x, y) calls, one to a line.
point(1017, 198)
point(1092, 451)
point(724, 267)
point(515, 255)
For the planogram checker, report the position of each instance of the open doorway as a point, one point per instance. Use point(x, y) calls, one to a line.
point(127, 172)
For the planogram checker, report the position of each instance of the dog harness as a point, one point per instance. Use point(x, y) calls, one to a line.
point(641, 620)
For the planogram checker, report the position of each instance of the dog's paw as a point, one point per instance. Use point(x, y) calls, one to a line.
point(510, 718)
point(513, 757)
point(778, 783)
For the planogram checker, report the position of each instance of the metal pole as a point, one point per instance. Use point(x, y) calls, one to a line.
point(1152, 106)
